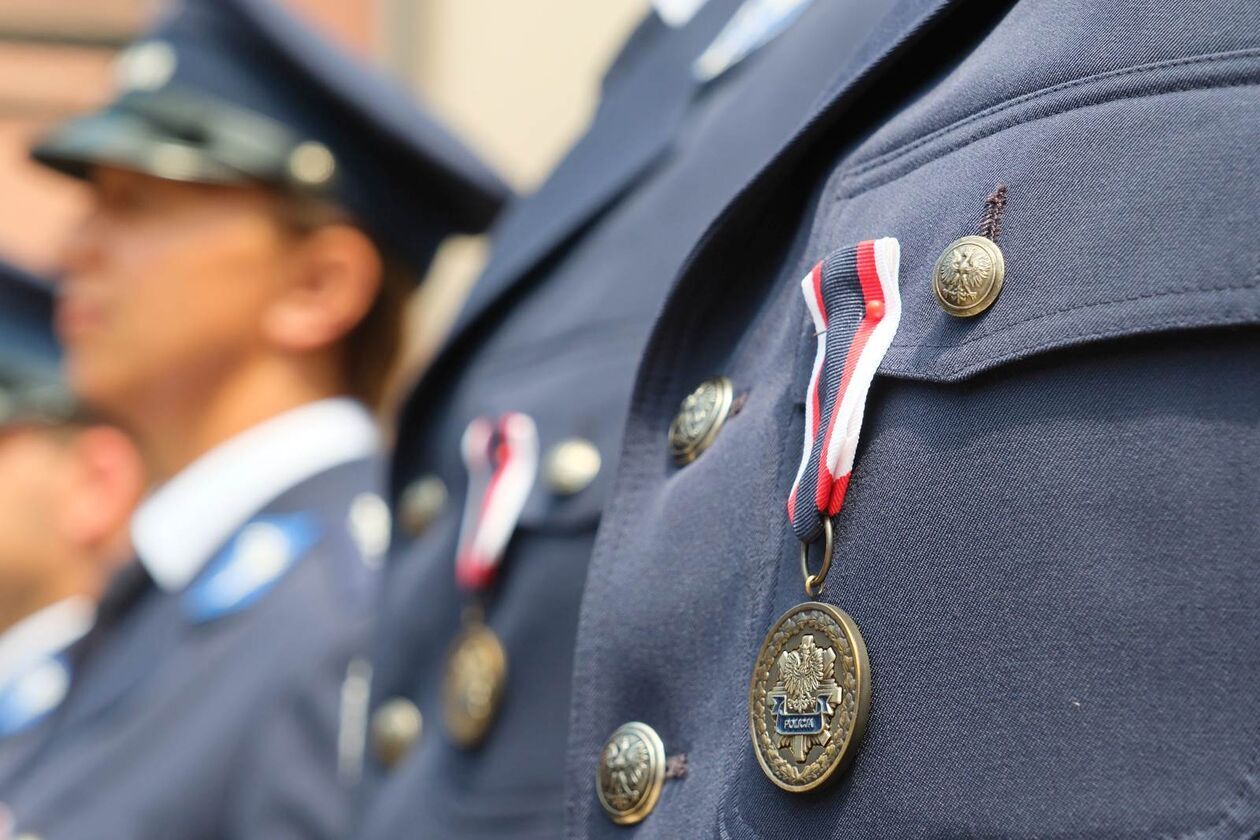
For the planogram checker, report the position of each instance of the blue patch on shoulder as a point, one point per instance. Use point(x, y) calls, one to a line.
point(33, 694)
point(250, 565)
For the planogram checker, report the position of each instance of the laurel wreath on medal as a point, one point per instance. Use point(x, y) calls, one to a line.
point(842, 721)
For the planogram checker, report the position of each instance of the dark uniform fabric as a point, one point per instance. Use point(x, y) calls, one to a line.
point(1049, 538)
point(180, 726)
point(554, 328)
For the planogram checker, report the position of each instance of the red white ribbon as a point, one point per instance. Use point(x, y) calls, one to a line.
point(502, 462)
point(855, 303)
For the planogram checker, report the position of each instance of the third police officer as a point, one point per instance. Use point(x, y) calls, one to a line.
point(508, 446)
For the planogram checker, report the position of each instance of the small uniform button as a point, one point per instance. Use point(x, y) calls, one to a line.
point(571, 466)
point(700, 418)
point(369, 525)
point(968, 276)
point(395, 727)
point(631, 773)
point(421, 503)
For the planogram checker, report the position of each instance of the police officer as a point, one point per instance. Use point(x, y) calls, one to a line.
point(262, 206)
point(507, 447)
point(976, 556)
point(67, 487)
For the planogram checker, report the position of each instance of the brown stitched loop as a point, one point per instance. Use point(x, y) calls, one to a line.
point(991, 224)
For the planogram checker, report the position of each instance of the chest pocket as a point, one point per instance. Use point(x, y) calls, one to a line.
point(578, 404)
point(1055, 497)
point(1123, 217)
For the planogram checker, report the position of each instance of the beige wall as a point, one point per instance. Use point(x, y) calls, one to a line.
point(519, 80)
point(518, 77)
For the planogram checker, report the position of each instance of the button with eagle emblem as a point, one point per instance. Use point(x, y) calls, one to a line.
point(809, 696)
point(968, 276)
point(421, 504)
point(700, 418)
point(631, 773)
point(395, 728)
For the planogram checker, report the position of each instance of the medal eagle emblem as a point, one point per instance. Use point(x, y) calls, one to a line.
point(804, 699)
point(809, 696)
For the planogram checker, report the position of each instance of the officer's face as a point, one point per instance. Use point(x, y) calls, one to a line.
point(164, 287)
point(34, 474)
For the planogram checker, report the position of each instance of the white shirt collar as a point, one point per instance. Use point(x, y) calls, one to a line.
point(178, 527)
point(45, 632)
point(677, 13)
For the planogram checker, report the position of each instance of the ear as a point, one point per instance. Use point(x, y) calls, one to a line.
point(107, 480)
point(332, 279)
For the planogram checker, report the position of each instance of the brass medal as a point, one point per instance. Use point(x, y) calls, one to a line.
point(809, 696)
point(472, 687)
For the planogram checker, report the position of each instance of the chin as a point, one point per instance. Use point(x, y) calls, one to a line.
point(101, 386)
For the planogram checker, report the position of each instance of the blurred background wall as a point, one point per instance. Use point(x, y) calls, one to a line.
point(517, 78)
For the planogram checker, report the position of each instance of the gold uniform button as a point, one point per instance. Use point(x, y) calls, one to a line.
point(571, 466)
point(395, 727)
point(631, 773)
point(700, 418)
point(421, 503)
point(968, 276)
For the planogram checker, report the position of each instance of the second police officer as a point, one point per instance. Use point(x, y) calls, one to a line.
point(261, 208)
point(508, 445)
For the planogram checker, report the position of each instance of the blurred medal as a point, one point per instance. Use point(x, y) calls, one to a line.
point(502, 462)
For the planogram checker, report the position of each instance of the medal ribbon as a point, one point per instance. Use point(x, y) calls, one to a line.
point(855, 303)
point(502, 461)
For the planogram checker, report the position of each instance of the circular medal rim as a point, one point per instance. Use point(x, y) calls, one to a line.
point(995, 287)
point(862, 666)
point(726, 398)
point(653, 793)
point(465, 731)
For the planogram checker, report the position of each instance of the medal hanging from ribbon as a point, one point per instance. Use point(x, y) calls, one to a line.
point(502, 462)
point(810, 689)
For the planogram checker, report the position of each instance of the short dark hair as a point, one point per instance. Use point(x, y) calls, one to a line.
point(374, 347)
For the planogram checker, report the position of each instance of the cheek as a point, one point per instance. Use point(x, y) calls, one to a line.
point(28, 508)
point(177, 302)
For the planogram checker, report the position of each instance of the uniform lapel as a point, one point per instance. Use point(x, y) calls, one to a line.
point(905, 25)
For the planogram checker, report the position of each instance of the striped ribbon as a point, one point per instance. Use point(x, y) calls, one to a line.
point(502, 461)
point(855, 303)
